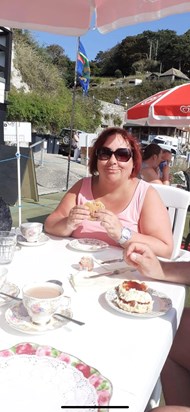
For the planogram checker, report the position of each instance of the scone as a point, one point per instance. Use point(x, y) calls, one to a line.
point(132, 296)
point(94, 206)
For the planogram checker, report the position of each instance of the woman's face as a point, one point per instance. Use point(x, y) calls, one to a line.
point(113, 168)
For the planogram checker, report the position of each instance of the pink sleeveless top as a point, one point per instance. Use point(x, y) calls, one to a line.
point(128, 217)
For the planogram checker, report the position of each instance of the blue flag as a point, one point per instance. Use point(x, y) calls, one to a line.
point(83, 69)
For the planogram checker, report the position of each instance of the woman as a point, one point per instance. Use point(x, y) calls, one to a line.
point(152, 157)
point(133, 209)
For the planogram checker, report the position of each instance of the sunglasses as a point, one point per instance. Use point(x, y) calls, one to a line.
point(122, 155)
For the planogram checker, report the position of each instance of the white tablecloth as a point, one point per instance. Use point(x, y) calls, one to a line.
point(127, 350)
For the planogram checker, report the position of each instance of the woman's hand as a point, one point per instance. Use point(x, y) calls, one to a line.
point(76, 215)
point(143, 259)
point(111, 224)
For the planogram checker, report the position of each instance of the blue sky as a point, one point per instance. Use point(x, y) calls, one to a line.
point(94, 42)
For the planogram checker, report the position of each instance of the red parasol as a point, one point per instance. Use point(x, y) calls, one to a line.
point(166, 108)
point(74, 17)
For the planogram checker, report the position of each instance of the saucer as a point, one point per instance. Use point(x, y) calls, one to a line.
point(11, 289)
point(18, 318)
point(42, 240)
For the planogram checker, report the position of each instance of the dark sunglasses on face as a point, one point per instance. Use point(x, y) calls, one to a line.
point(122, 155)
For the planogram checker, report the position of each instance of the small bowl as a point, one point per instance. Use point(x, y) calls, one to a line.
point(3, 276)
point(31, 231)
point(42, 300)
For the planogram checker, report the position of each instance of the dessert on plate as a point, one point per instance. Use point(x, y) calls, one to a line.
point(133, 296)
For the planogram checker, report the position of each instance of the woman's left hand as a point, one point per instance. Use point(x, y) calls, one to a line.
point(111, 223)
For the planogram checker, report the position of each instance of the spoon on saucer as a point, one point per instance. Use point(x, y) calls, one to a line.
point(10, 296)
point(78, 322)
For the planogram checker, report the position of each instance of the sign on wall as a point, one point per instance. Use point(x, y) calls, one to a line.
point(22, 129)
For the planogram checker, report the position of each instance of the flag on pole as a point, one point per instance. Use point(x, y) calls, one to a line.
point(83, 68)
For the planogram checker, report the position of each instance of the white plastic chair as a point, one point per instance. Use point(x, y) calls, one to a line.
point(177, 201)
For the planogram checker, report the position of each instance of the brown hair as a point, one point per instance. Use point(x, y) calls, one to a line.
point(150, 150)
point(99, 142)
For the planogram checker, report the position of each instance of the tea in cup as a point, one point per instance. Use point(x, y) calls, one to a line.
point(8, 240)
point(31, 231)
point(42, 300)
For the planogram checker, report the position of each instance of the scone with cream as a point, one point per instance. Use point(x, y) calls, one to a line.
point(94, 206)
point(132, 296)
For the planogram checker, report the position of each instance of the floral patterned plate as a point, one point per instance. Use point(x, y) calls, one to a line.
point(88, 244)
point(49, 379)
point(161, 304)
point(18, 318)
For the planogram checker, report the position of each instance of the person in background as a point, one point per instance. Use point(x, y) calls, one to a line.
point(133, 209)
point(152, 156)
point(5, 216)
point(164, 167)
point(175, 375)
point(77, 148)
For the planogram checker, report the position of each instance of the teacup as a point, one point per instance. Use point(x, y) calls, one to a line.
point(8, 241)
point(41, 300)
point(31, 231)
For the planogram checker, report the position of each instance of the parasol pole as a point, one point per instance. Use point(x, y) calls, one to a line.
point(18, 175)
point(72, 115)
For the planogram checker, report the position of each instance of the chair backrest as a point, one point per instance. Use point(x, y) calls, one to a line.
point(177, 201)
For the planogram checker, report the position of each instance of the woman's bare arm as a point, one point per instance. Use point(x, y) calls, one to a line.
point(68, 215)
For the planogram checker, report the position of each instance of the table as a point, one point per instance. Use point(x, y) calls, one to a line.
point(127, 350)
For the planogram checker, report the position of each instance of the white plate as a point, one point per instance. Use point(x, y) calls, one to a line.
point(42, 240)
point(42, 383)
point(18, 318)
point(88, 244)
point(161, 304)
point(11, 289)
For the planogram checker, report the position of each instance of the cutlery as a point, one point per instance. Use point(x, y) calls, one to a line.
point(72, 282)
point(78, 322)
point(110, 273)
point(10, 296)
point(57, 282)
point(111, 261)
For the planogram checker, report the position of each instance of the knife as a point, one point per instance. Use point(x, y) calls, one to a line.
point(112, 261)
point(72, 282)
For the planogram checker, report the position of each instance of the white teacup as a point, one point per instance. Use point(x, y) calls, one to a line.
point(41, 300)
point(31, 231)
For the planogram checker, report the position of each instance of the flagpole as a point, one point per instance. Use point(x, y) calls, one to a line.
point(72, 115)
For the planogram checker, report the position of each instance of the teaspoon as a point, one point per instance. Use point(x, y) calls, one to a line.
point(78, 322)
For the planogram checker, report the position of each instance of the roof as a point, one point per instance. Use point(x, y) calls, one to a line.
point(176, 73)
